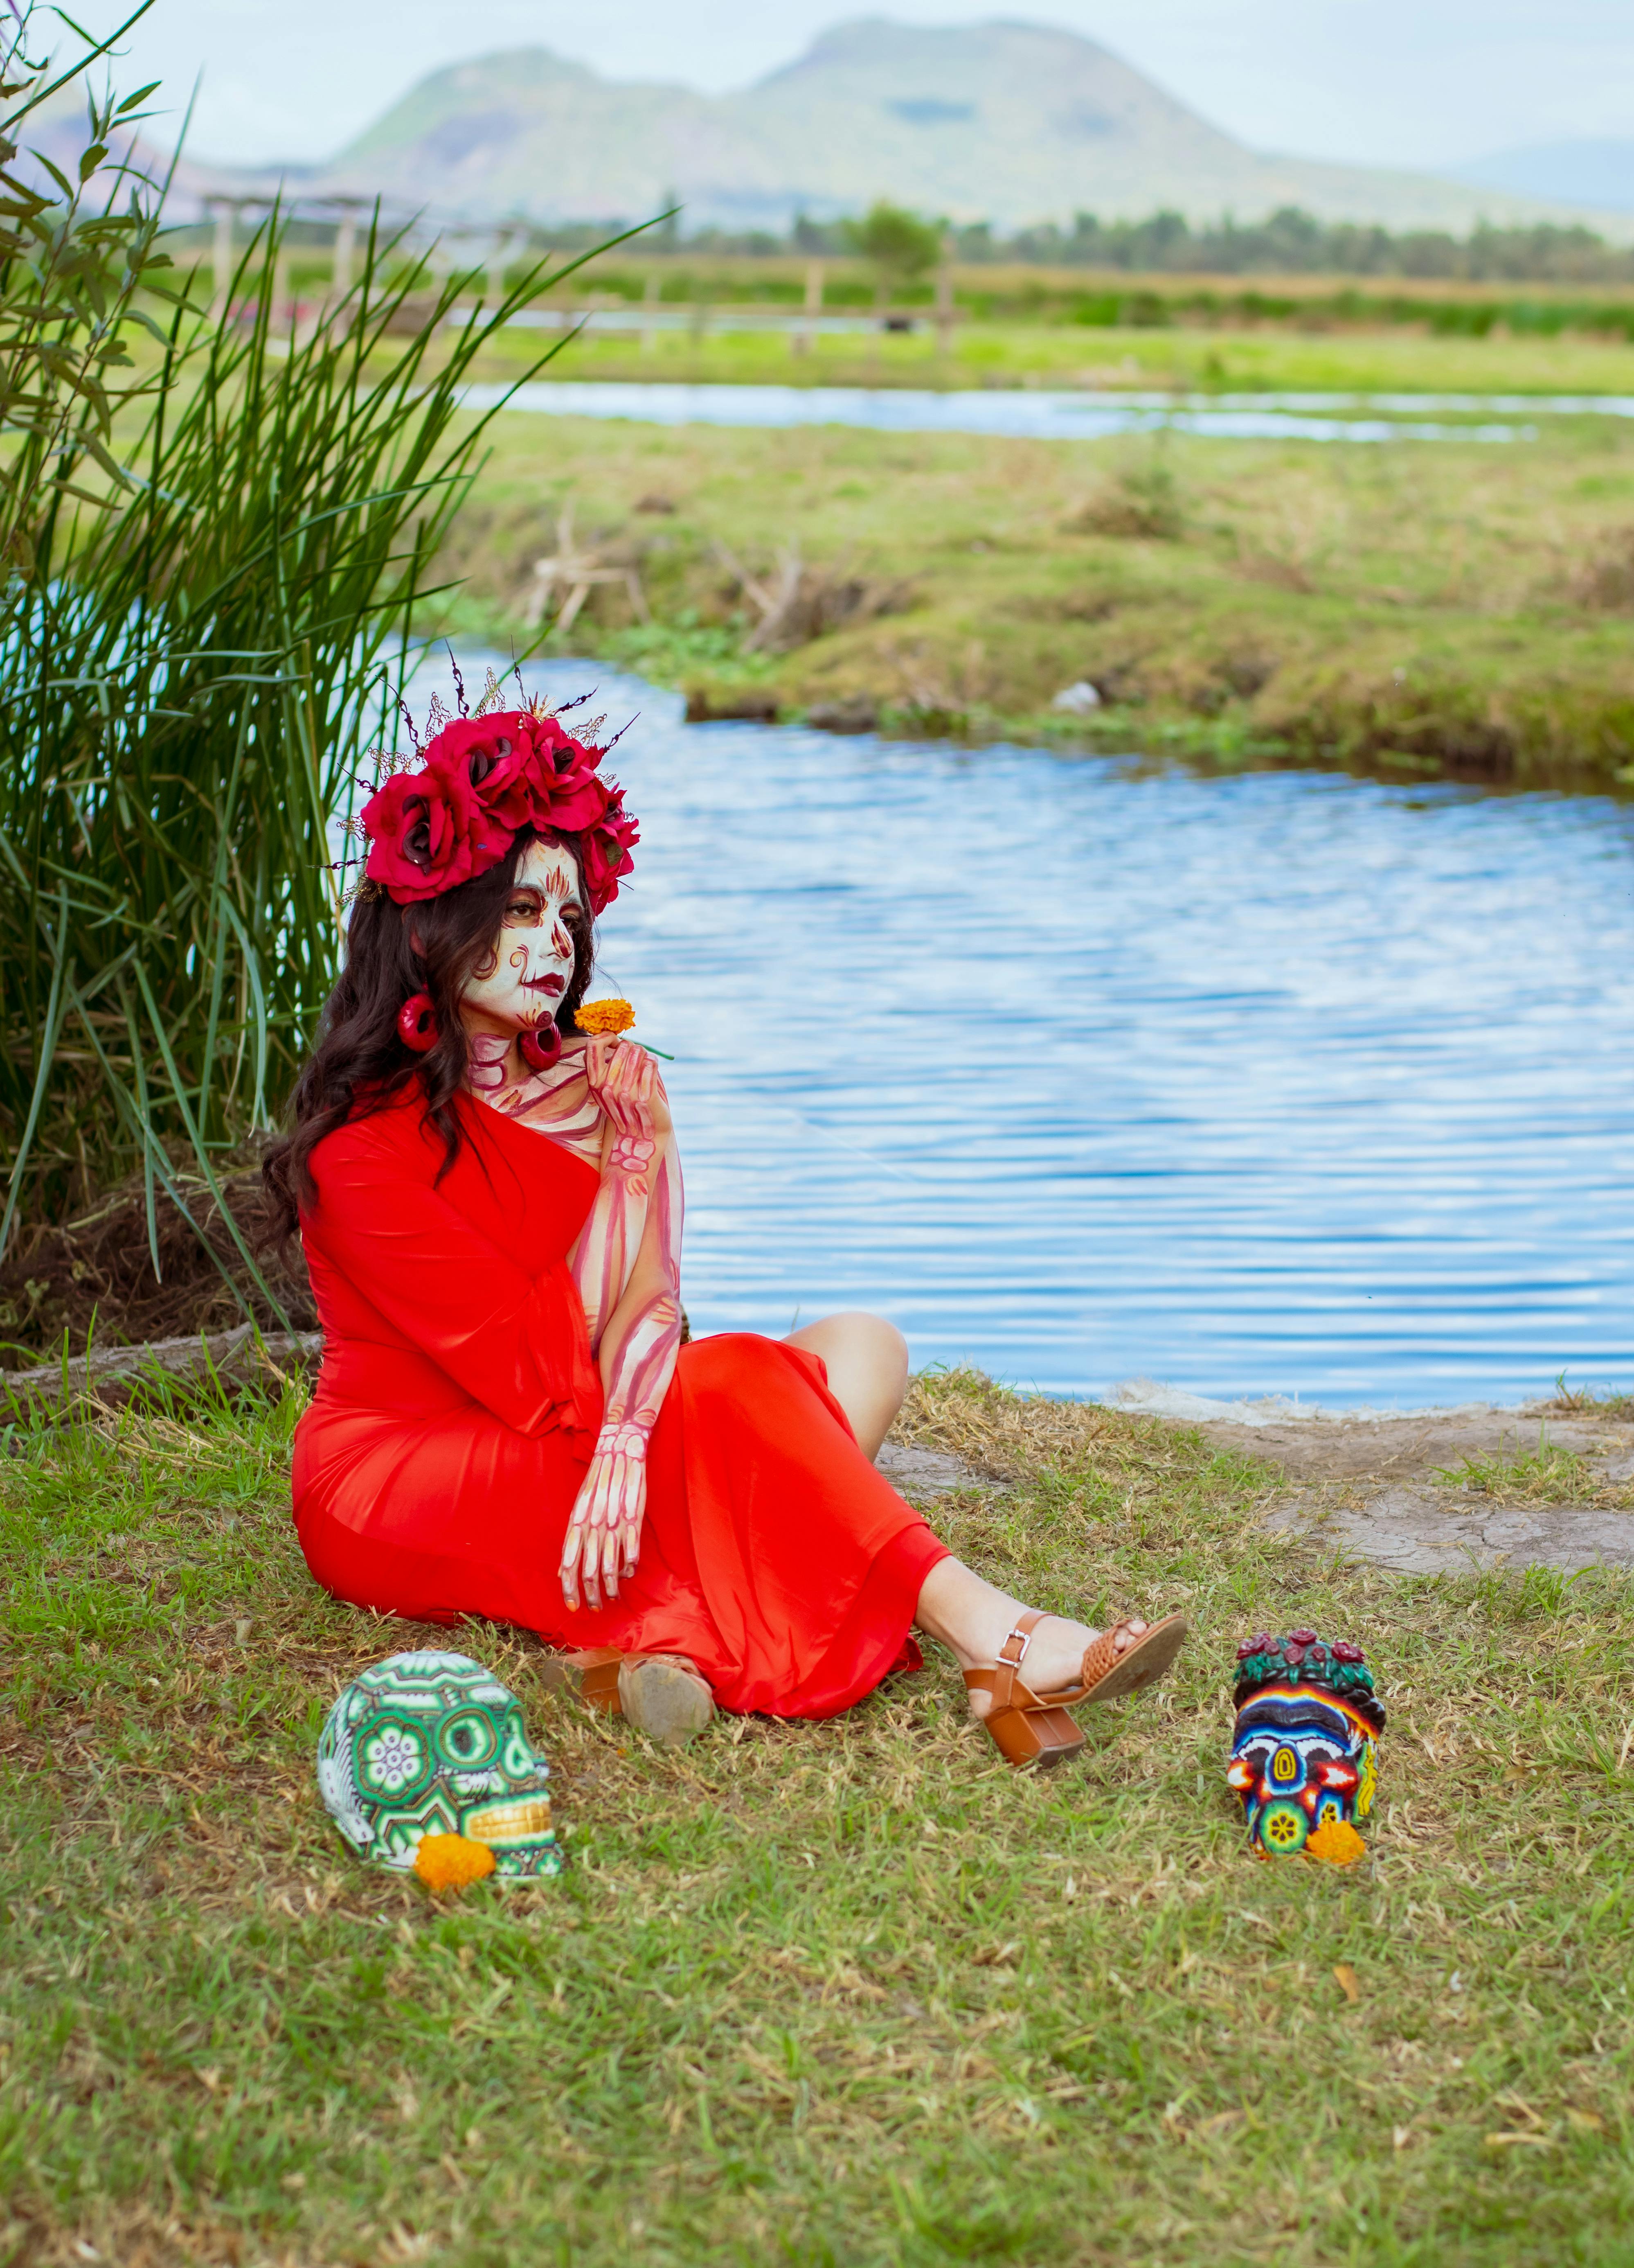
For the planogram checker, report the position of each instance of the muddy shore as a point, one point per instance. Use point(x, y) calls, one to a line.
point(1425, 1492)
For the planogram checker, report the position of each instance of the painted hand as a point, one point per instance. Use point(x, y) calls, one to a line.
point(625, 1080)
point(603, 1539)
point(631, 1156)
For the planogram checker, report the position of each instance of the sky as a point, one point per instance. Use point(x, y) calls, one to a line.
point(1418, 82)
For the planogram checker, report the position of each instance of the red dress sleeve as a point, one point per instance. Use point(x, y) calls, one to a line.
point(514, 1339)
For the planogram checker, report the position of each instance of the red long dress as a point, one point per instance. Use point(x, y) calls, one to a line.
point(458, 1405)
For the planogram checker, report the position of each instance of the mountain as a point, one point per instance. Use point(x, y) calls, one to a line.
point(58, 132)
point(1576, 172)
point(1005, 121)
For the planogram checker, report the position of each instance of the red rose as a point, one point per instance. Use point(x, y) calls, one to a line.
point(428, 834)
point(494, 754)
point(606, 849)
point(557, 745)
point(1303, 1636)
point(573, 798)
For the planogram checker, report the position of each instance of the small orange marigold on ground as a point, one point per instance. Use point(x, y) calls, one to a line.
point(448, 1862)
point(595, 1017)
point(1338, 1841)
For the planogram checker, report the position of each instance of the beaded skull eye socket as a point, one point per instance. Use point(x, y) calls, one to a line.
point(468, 1739)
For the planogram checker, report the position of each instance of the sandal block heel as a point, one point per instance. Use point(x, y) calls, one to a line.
point(1040, 1739)
point(591, 1675)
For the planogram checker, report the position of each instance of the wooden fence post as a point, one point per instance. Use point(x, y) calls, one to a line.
point(345, 246)
point(221, 264)
point(944, 298)
point(800, 338)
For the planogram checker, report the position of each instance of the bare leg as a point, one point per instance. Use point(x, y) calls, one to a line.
point(973, 1619)
point(867, 1360)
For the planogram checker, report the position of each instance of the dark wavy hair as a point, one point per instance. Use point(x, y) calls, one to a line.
point(361, 1061)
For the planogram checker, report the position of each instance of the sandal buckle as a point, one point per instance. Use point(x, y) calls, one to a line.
point(1016, 1637)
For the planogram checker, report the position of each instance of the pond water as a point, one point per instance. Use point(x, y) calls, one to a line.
point(1285, 1082)
point(1034, 414)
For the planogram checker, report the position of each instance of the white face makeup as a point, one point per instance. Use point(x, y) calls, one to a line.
point(519, 984)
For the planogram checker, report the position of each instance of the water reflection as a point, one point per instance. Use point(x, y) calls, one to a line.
point(1287, 1082)
point(1032, 414)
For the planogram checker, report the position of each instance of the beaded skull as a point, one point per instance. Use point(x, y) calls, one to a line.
point(434, 1744)
point(1304, 1747)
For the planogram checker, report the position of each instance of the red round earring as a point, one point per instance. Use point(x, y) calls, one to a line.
point(416, 1022)
point(541, 1048)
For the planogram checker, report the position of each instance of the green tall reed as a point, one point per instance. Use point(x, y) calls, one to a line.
point(211, 589)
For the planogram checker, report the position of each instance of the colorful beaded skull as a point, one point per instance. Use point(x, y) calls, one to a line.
point(434, 1744)
point(1303, 1751)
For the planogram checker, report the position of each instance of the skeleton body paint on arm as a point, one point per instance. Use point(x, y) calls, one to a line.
point(603, 1099)
point(627, 1265)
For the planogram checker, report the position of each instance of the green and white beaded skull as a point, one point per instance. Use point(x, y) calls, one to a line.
point(434, 1744)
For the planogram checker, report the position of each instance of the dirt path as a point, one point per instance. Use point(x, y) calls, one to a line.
point(1436, 1492)
point(1449, 1490)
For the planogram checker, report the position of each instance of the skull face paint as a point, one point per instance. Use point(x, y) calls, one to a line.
point(434, 1744)
point(519, 984)
point(1304, 1747)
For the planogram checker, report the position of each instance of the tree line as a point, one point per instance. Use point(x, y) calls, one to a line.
point(1291, 242)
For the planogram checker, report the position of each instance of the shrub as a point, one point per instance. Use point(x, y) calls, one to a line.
point(213, 563)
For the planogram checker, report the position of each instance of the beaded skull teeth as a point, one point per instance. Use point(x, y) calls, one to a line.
point(432, 1744)
point(1304, 1747)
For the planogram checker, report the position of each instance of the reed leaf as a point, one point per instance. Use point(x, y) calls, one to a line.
point(209, 610)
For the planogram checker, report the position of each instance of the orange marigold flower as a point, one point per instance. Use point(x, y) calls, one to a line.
point(448, 1862)
point(596, 1017)
point(1338, 1841)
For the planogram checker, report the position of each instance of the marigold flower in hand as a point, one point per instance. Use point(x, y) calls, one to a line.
point(448, 1862)
point(598, 1017)
point(1336, 1842)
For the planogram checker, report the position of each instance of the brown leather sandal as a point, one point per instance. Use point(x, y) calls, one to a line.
point(662, 1694)
point(1035, 1729)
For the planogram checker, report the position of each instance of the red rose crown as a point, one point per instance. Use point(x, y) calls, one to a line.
point(481, 780)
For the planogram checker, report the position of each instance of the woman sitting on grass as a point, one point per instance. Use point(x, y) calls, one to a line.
point(507, 1422)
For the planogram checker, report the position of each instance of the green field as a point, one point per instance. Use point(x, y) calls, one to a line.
point(1056, 353)
point(1414, 609)
point(839, 1993)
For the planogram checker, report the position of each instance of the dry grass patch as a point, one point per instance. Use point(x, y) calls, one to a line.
point(1422, 608)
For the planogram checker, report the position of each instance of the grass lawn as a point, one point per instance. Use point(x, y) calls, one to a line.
point(1414, 608)
point(841, 1993)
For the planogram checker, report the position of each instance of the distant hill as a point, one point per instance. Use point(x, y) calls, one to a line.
point(57, 132)
point(1005, 121)
point(1575, 172)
